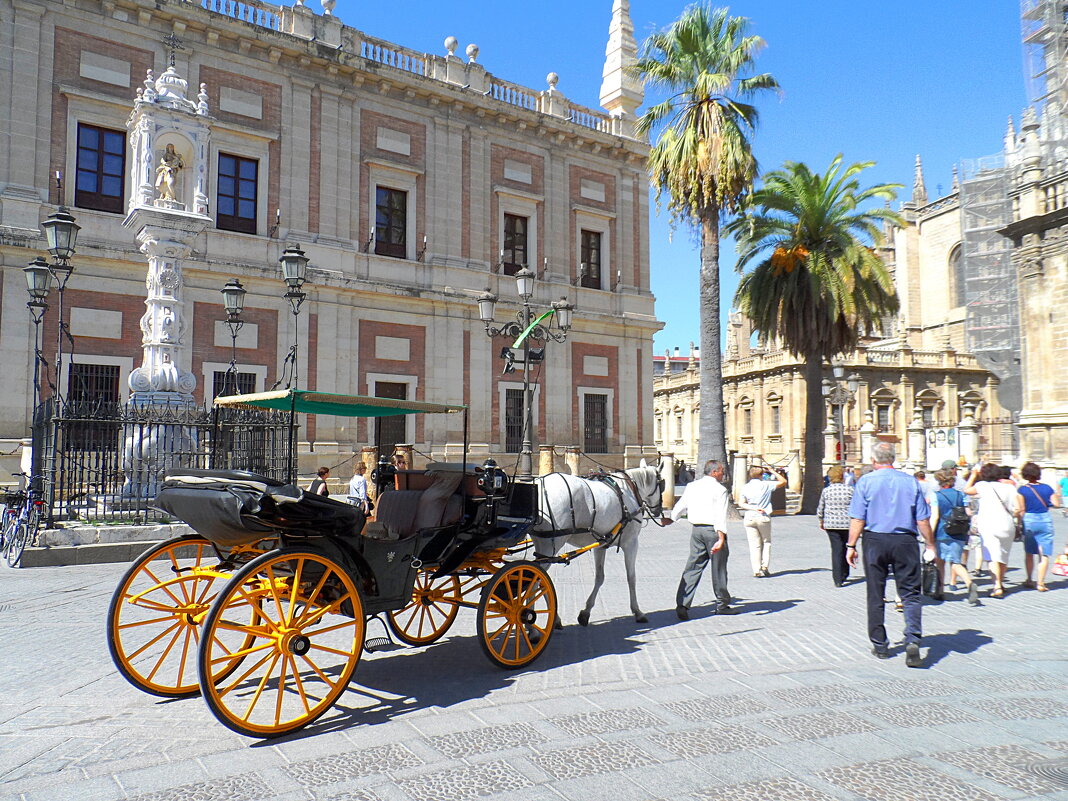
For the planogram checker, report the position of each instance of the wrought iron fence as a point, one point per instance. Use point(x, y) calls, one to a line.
point(104, 461)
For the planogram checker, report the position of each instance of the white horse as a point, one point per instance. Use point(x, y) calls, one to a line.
point(608, 508)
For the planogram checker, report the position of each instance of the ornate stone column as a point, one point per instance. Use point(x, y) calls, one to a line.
point(571, 458)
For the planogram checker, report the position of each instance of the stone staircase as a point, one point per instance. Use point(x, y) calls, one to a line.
point(85, 545)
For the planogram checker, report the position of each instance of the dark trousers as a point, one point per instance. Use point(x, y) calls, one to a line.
point(701, 542)
point(839, 565)
point(899, 552)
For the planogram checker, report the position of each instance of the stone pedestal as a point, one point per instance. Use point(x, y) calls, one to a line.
point(867, 438)
point(830, 443)
point(571, 458)
point(793, 472)
point(546, 455)
point(667, 472)
point(917, 457)
point(969, 436)
point(369, 457)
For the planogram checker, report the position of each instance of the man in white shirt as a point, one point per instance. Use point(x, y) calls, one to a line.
point(704, 503)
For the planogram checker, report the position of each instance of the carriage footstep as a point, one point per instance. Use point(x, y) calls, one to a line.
point(377, 644)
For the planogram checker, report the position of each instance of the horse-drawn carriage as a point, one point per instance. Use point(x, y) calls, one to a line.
point(264, 611)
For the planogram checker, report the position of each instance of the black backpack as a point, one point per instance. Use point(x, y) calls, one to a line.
point(958, 523)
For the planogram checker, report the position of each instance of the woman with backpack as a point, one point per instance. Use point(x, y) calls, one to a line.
point(1035, 500)
point(995, 520)
point(952, 523)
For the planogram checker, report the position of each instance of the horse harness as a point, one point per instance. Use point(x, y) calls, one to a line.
point(613, 481)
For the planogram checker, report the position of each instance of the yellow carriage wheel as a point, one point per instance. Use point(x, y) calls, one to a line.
point(516, 614)
point(154, 618)
point(300, 651)
point(432, 611)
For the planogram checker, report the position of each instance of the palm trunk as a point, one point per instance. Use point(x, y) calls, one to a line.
point(712, 429)
point(815, 418)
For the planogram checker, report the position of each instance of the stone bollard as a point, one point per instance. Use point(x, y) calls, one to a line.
point(667, 472)
point(571, 457)
point(546, 454)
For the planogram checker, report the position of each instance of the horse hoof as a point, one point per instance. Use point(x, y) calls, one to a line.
point(584, 618)
point(558, 624)
point(641, 619)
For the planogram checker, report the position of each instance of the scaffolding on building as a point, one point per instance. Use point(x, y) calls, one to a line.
point(1044, 26)
point(992, 326)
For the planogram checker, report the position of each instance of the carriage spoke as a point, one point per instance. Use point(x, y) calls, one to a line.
point(185, 651)
point(240, 654)
point(322, 676)
point(154, 640)
point(259, 688)
point(293, 591)
point(299, 683)
point(271, 586)
point(526, 638)
point(163, 657)
point(335, 627)
point(493, 636)
point(162, 586)
point(328, 650)
point(148, 622)
point(243, 676)
point(311, 619)
point(280, 691)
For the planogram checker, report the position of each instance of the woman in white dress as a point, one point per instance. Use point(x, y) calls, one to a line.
point(995, 520)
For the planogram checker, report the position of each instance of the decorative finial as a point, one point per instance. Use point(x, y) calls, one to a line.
point(202, 100)
point(451, 44)
point(472, 53)
point(175, 44)
point(1030, 119)
point(552, 79)
point(622, 91)
point(956, 180)
point(919, 190)
point(328, 7)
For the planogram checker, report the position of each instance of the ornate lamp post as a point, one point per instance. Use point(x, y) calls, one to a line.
point(838, 394)
point(61, 233)
point(234, 300)
point(526, 327)
point(294, 273)
point(38, 284)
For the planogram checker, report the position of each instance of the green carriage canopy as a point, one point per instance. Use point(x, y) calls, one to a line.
point(310, 402)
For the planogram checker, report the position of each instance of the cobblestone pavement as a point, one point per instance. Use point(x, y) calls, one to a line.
point(782, 702)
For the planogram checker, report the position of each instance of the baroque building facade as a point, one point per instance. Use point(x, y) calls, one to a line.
point(412, 181)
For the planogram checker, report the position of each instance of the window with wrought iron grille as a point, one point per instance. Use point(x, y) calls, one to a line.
point(747, 421)
point(238, 188)
point(882, 416)
point(390, 431)
point(391, 222)
point(92, 394)
point(101, 169)
point(226, 383)
point(776, 419)
point(513, 420)
point(591, 259)
point(595, 423)
point(515, 243)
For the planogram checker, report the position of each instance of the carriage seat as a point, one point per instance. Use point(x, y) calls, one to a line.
point(401, 513)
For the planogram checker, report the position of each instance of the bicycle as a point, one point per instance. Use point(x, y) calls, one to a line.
point(8, 518)
point(20, 529)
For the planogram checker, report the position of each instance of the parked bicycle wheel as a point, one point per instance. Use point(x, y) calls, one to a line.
point(20, 537)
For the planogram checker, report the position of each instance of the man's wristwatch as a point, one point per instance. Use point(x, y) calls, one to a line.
point(854, 547)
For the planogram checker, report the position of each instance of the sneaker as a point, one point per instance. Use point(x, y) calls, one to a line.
point(973, 594)
point(912, 655)
point(726, 610)
point(879, 653)
point(682, 612)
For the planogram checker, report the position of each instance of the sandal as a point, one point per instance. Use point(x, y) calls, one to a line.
point(997, 592)
point(1042, 588)
point(1029, 584)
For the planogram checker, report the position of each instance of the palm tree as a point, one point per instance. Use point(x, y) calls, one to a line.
point(703, 158)
point(819, 284)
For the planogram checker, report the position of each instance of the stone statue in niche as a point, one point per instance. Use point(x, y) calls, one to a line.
point(170, 164)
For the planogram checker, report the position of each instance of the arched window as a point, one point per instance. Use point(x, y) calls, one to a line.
point(957, 280)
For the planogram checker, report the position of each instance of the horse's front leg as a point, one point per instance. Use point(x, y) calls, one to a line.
point(598, 580)
point(630, 558)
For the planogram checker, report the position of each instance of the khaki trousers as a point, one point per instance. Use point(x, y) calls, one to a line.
point(759, 533)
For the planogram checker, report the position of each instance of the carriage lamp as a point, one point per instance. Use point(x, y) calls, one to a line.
point(486, 303)
point(234, 299)
point(61, 231)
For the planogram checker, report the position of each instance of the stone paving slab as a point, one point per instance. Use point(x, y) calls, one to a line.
point(782, 701)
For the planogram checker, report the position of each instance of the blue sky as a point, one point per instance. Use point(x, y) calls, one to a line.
point(875, 82)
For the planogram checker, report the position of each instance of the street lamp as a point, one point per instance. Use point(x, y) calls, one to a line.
point(838, 394)
point(294, 273)
point(61, 234)
point(525, 328)
point(234, 300)
point(38, 285)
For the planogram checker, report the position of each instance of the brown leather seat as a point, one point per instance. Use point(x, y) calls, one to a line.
point(404, 512)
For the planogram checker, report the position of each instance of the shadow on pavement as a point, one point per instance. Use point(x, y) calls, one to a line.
point(455, 671)
point(801, 572)
point(965, 641)
point(766, 607)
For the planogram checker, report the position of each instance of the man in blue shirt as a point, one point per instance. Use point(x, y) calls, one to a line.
point(889, 509)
